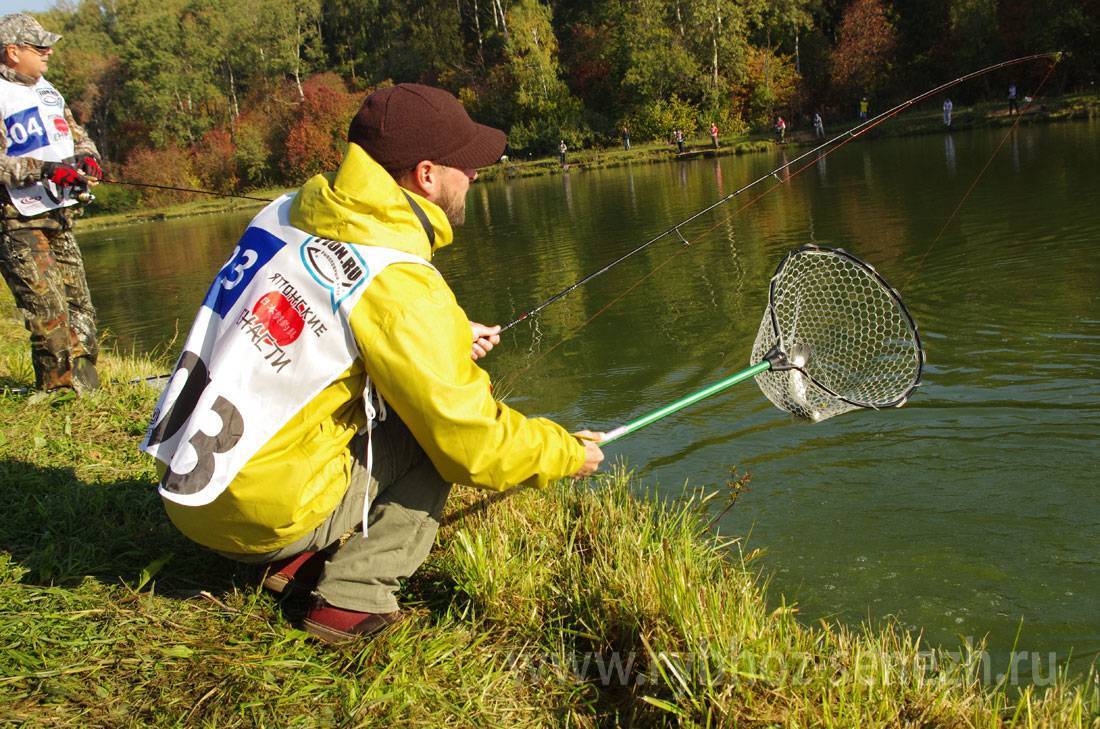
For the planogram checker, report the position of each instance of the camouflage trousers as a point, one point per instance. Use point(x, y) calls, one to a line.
point(45, 272)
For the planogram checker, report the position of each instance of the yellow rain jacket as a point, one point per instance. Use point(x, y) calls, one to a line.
point(414, 341)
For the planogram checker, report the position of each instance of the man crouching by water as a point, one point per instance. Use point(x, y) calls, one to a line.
point(328, 381)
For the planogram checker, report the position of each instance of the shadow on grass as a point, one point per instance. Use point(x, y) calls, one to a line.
point(62, 530)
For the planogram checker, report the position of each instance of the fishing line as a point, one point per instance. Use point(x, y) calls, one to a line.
point(835, 337)
point(981, 173)
point(510, 380)
point(839, 141)
point(848, 136)
point(186, 189)
point(536, 336)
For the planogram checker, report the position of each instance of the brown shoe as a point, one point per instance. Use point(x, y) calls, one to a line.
point(301, 571)
point(335, 625)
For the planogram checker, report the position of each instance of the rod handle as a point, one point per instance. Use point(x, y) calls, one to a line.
point(684, 402)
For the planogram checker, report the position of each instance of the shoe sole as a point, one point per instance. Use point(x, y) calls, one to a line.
point(280, 582)
point(332, 636)
point(325, 634)
point(276, 583)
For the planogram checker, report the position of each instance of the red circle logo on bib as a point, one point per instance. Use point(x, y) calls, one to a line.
point(283, 322)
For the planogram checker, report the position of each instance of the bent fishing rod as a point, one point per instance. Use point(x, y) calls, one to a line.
point(847, 136)
point(835, 337)
point(856, 131)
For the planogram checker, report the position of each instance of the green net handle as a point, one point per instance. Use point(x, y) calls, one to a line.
point(685, 401)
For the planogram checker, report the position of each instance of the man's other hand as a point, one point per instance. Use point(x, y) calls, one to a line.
point(485, 338)
point(63, 175)
point(593, 456)
point(89, 165)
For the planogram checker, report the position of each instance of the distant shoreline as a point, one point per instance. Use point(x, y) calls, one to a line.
point(976, 116)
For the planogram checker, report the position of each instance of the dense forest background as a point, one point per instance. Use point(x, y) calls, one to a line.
point(228, 95)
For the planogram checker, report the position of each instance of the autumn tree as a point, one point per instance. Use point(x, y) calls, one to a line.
point(170, 85)
point(401, 40)
point(973, 29)
point(317, 137)
point(862, 59)
point(227, 94)
point(659, 63)
point(545, 110)
point(88, 71)
point(265, 42)
point(771, 86)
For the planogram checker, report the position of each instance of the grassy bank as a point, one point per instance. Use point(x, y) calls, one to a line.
point(923, 120)
point(580, 606)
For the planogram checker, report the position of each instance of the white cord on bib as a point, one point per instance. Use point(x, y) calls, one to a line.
point(374, 416)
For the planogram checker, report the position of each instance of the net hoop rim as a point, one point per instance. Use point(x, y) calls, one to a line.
point(890, 290)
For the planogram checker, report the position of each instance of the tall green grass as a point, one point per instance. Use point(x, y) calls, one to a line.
point(584, 605)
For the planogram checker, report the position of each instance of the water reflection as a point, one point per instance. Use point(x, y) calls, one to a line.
point(1015, 140)
point(949, 153)
point(1029, 143)
point(486, 212)
point(508, 202)
point(633, 194)
point(567, 187)
point(822, 168)
point(785, 172)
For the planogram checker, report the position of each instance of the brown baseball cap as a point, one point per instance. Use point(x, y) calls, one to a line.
point(400, 126)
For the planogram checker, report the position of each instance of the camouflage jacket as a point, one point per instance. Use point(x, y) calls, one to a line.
point(18, 171)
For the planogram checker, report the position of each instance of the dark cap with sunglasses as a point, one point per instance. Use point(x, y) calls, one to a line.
point(23, 30)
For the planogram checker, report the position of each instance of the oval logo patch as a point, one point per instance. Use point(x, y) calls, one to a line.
point(49, 97)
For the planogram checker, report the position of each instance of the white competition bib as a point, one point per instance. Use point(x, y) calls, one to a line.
point(272, 332)
point(35, 125)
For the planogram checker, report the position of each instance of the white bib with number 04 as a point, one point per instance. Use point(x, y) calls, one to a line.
point(35, 127)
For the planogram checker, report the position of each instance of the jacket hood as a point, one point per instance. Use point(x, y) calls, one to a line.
point(361, 203)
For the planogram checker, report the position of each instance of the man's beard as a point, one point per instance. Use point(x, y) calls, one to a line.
point(453, 204)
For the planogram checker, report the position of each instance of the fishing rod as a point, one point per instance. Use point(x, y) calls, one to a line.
point(848, 136)
point(856, 131)
point(835, 337)
point(186, 189)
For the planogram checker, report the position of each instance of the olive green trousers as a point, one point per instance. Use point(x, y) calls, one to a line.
point(406, 495)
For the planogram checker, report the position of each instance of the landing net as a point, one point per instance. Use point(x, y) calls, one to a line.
point(838, 337)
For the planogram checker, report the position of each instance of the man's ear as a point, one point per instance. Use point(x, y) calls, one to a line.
point(424, 179)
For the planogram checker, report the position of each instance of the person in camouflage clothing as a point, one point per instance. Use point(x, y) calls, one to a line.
point(46, 164)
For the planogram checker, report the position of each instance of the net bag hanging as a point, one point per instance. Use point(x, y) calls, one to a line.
point(837, 335)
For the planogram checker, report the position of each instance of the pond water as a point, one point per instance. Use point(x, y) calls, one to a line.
point(971, 512)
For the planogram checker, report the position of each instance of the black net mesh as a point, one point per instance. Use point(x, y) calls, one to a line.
point(849, 338)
